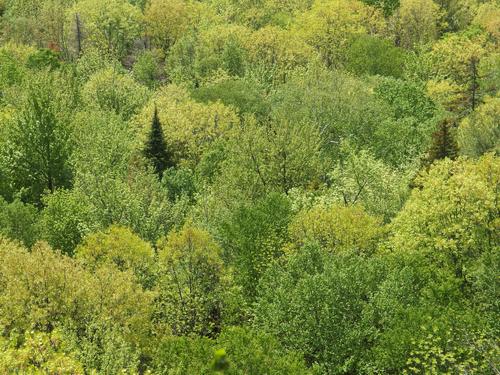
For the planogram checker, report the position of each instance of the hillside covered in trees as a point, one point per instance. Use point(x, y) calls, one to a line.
point(249, 187)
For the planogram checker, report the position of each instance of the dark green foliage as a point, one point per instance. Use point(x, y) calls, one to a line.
point(387, 6)
point(220, 362)
point(179, 183)
point(407, 99)
point(372, 55)
point(237, 351)
point(155, 149)
point(239, 93)
point(314, 301)
point(18, 221)
point(253, 237)
point(444, 144)
point(65, 220)
point(43, 58)
point(233, 58)
point(10, 71)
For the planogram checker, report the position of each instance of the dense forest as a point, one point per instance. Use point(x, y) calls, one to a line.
point(249, 187)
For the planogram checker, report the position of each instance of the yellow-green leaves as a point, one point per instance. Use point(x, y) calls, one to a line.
point(453, 215)
point(111, 26)
point(337, 228)
point(189, 127)
point(330, 24)
point(120, 247)
point(480, 131)
point(167, 20)
point(416, 22)
point(109, 90)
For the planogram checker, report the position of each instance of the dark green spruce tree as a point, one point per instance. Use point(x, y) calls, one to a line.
point(155, 149)
point(444, 144)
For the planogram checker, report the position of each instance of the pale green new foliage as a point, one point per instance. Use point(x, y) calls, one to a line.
point(453, 216)
point(43, 291)
point(340, 229)
point(329, 25)
point(480, 131)
point(439, 353)
point(120, 247)
point(111, 90)
point(110, 26)
point(359, 178)
point(416, 22)
point(39, 353)
point(37, 149)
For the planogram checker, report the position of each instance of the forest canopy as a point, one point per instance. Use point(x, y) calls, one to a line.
point(249, 187)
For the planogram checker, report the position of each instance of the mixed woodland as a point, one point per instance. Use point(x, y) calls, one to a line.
point(249, 187)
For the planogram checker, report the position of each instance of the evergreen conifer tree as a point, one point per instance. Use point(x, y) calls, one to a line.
point(444, 144)
point(155, 149)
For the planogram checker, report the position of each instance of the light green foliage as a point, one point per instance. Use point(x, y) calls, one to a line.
point(108, 90)
point(36, 22)
point(439, 353)
point(480, 131)
point(39, 353)
point(44, 291)
point(147, 69)
point(359, 178)
point(416, 22)
point(337, 228)
point(167, 20)
point(260, 13)
point(453, 216)
point(110, 26)
point(197, 57)
point(329, 25)
point(120, 247)
point(274, 52)
point(274, 157)
point(92, 61)
point(115, 183)
point(487, 16)
point(189, 127)
point(455, 70)
point(11, 71)
point(292, 209)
